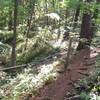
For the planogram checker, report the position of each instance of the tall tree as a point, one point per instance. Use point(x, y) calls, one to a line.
point(30, 18)
point(10, 20)
point(76, 16)
point(86, 29)
point(88, 26)
point(13, 56)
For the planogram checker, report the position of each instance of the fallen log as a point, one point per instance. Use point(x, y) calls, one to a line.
point(32, 63)
point(14, 67)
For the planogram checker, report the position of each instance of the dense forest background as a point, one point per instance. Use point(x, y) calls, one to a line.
point(32, 32)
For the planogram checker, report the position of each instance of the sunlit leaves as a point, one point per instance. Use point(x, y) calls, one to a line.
point(27, 82)
point(4, 48)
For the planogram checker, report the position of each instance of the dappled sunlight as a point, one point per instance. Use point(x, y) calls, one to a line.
point(29, 81)
point(48, 45)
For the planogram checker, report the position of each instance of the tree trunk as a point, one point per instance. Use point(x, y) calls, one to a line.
point(10, 23)
point(87, 28)
point(76, 16)
point(86, 32)
point(29, 21)
point(13, 56)
point(46, 12)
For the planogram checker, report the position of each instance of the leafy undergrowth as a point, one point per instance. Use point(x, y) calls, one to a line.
point(27, 82)
point(38, 46)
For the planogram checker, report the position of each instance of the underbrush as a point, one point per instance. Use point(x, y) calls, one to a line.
point(5, 50)
point(37, 46)
point(5, 36)
point(31, 79)
point(25, 83)
point(96, 40)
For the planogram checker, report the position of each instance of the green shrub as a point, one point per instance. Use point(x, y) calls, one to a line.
point(27, 82)
point(37, 47)
point(5, 51)
point(6, 36)
point(85, 96)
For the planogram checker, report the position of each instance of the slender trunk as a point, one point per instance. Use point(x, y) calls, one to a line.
point(13, 56)
point(28, 30)
point(66, 33)
point(10, 23)
point(29, 22)
point(76, 16)
point(53, 5)
point(46, 12)
point(59, 32)
point(68, 53)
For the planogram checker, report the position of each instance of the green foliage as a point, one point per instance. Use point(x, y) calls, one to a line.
point(37, 47)
point(4, 48)
point(74, 3)
point(27, 82)
point(60, 13)
point(85, 96)
point(96, 41)
point(32, 54)
point(6, 36)
point(4, 12)
point(5, 51)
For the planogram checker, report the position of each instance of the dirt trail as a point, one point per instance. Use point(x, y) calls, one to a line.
point(80, 66)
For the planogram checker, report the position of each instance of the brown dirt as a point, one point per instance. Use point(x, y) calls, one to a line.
point(80, 66)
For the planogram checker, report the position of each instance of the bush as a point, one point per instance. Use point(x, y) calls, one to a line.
point(5, 51)
point(37, 47)
point(27, 82)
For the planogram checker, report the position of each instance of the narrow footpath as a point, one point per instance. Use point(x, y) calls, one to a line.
point(81, 65)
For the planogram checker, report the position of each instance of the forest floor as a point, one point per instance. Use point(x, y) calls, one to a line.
point(81, 65)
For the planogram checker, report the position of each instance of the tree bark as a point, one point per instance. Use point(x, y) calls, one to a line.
point(13, 56)
point(86, 32)
point(10, 23)
point(87, 28)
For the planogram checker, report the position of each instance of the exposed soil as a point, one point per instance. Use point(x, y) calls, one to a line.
point(81, 65)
